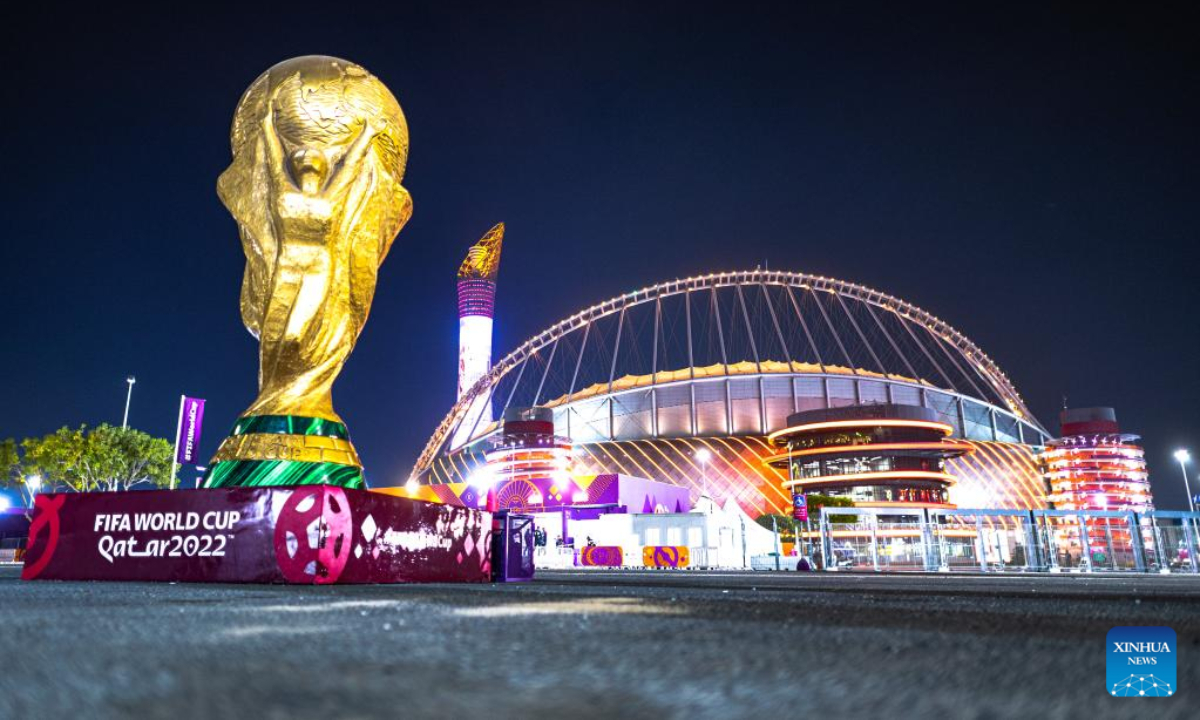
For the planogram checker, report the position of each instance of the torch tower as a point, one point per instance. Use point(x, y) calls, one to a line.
point(476, 308)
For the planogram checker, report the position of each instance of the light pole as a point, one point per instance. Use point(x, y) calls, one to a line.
point(1183, 456)
point(33, 483)
point(128, 396)
point(704, 455)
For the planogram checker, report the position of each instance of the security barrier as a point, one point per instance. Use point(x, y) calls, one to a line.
point(12, 550)
point(979, 540)
point(665, 556)
point(600, 556)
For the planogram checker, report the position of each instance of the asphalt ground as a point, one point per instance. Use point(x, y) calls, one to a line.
point(590, 645)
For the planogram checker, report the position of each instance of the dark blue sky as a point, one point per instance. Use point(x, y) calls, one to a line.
point(1027, 175)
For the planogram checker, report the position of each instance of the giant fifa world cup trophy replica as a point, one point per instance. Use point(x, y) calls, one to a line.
point(319, 149)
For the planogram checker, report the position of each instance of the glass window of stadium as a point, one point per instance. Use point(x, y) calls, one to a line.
point(856, 465)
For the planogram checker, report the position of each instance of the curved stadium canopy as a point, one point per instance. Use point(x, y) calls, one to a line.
point(732, 354)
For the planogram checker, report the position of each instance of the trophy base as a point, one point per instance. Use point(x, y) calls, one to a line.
point(285, 451)
point(304, 535)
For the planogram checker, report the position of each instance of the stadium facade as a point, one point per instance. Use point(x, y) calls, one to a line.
point(643, 381)
point(881, 455)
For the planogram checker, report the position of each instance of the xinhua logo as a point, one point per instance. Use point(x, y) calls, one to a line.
point(1141, 662)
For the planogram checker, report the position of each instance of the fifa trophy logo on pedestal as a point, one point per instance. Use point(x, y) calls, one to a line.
point(319, 150)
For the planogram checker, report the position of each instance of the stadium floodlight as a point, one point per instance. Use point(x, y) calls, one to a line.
point(482, 478)
point(704, 455)
point(34, 483)
point(5, 503)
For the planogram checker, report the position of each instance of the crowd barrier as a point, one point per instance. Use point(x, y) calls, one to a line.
point(978, 540)
point(600, 556)
point(665, 556)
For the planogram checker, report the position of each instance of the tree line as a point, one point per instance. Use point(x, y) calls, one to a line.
point(101, 458)
point(787, 526)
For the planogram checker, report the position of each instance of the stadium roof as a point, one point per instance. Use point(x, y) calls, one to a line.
point(752, 323)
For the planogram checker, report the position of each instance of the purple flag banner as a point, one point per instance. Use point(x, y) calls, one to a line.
point(799, 506)
point(191, 419)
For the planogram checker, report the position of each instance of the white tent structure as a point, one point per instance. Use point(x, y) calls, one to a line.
point(716, 536)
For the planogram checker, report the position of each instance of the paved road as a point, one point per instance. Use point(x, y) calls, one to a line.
point(589, 645)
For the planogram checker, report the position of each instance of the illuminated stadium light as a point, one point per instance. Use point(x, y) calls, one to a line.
point(644, 381)
point(884, 475)
point(832, 425)
point(482, 478)
point(932, 447)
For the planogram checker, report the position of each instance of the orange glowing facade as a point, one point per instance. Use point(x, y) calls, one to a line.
point(876, 455)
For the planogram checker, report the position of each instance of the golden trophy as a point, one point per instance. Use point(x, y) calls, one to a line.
point(319, 149)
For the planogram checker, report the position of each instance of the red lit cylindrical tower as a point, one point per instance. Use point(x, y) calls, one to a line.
point(1094, 466)
point(528, 461)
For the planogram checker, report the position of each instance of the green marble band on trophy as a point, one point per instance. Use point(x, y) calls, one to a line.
point(270, 450)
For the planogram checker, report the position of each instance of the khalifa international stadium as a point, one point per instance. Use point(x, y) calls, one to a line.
point(646, 381)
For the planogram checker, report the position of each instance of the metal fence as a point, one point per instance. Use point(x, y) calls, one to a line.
point(12, 550)
point(975, 540)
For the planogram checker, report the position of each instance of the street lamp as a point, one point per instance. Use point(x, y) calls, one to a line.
point(128, 396)
point(33, 483)
point(704, 455)
point(1183, 456)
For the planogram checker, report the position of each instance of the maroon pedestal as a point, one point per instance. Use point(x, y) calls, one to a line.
point(315, 534)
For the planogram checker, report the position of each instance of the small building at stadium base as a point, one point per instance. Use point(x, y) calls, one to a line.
point(618, 520)
point(14, 533)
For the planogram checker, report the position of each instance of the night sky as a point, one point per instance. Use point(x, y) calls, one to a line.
point(1028, 176)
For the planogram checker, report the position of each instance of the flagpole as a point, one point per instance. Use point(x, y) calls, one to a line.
point(175, 454)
